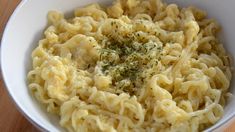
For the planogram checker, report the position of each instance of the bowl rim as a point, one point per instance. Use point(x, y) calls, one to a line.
point(38, 125)
point(5, 85)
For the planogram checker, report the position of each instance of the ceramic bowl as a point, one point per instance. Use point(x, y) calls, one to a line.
point(25, 28)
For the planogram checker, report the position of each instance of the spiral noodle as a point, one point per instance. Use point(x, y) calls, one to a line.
point(185, 75)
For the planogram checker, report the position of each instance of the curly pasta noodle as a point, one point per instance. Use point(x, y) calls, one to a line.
point(138, 65)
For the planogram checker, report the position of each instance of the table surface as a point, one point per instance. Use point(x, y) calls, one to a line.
point(11, 120)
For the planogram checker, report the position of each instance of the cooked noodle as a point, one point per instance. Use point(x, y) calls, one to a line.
point(138, 65)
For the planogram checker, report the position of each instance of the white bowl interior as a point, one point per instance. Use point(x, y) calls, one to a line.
point(25, 29)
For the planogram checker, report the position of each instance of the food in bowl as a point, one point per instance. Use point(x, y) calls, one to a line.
point(137, 65)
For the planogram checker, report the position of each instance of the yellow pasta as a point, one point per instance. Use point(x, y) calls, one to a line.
point(138, 65)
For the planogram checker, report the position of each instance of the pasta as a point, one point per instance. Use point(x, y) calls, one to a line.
point(137, 65)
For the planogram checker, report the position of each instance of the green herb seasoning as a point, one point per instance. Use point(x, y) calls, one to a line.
point(126, 61)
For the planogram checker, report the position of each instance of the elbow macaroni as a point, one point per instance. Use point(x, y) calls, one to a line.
point(184, 91)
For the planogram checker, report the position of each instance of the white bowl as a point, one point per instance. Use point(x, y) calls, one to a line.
point(25, 28)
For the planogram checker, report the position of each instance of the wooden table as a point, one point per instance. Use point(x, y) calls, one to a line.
point(10, 119)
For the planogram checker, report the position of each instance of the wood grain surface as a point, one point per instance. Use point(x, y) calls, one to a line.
point(11, 120)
